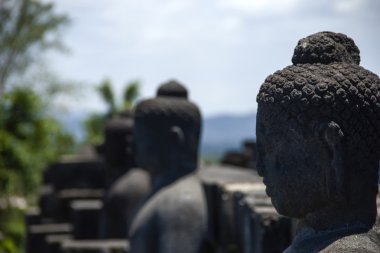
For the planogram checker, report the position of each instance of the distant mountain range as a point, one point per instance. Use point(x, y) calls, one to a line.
point(219, 134)
point(226, 132)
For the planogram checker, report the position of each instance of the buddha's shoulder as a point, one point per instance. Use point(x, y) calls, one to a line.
point(367, 242)
point(183, 194)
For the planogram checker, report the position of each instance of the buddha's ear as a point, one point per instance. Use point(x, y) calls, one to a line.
point(332, 135)
point(176, 142)
point(176, 136)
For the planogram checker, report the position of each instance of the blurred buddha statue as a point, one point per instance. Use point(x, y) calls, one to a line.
point(129, 185)
point(167, 131)
point(117, 147)
point(318, 143)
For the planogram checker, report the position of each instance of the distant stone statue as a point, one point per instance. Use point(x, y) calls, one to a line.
point(318, 143)
point(127, 191)
point(117, 147)
point(167, 130)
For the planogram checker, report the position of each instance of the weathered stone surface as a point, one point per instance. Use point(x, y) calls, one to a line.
point(249, 149)
point(118, 134)
point(263, 229)
point(35, 239)
point(245, 158)
point(235, 158)
point(54, 242)
point(122, 201)
point(319, 146)
point(33, 216)
point(227, 219)
point(174, 219)
point(48, 202)
point(95, 246)
point(76, 172)
point(125, 192)
point(65, 197)
point(212, 178)
point(85, 216)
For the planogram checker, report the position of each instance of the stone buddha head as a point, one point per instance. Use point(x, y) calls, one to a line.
point(118, 140)
point(318, 138)
point(167, 131)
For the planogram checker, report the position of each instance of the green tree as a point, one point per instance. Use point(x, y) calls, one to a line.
point(27, 28)
point(30, 139)
point(94, 124)
point(106, 92)
point(131, 93)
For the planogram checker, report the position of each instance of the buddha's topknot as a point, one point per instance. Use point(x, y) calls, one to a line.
point(325, 48)
point(171, 107)
point(172, 88)
point(119, 124)
point(341, 91)
point(161, 107)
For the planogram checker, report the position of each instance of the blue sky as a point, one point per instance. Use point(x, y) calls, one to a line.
point(222, 50)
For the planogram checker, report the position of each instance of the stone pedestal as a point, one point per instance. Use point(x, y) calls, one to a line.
point(95, 246)
point(35, 241)
point(54, 242)
point(76, 172)
point(32, 216)
point(65, 197)
point(264, 231)
point(213, 178)
point(85, 217)
point(228, 212)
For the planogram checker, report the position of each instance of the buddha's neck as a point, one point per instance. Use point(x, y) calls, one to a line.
point(166, 176)
point(335, 217)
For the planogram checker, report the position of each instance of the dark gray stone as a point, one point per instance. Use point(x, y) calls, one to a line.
point(227, 213)
point(125, 192)
point(122, 201)
point(35, 238)
point(235, 158)
point(245, 158)
point(265, 231)
point(77, 171)
point(117, 146)
point(174, 219)
point(65, 197)
point(85, 216)
point(54, 242)
point(48, 202)
point(249, 149)
point(95, 246)
point(318, 145)
point(212, 178)
point(33, 216)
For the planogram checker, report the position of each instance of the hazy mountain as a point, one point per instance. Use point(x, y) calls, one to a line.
point(219, 133)
point(224, 132)
point(73, 122)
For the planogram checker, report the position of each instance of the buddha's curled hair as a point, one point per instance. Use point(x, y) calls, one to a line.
point(171, 107)
point(340, 90)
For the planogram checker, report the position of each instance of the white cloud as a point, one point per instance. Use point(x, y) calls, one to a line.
point(260, 7)
point(220, 47)
point(348, 5)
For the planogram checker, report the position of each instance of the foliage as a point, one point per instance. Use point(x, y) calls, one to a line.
point(27, 27)
point(131, 94)
point(7, 245)
point(12, 223)
point(94, 124)
point(30, 139)
point(107, 94)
